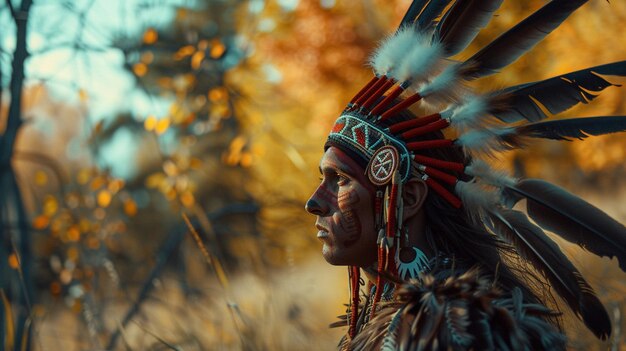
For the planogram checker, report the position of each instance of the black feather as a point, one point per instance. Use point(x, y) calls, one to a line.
point(463, 21)
point(432, 11)
point(574, 219)
point(578, 128)
point(414, 10)
point(509, 46)
point(544, 254)
point(557, 94)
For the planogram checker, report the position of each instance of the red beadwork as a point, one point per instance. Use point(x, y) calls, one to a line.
point(429, 128)
point(387, 100)
point(429, 144)
point(338, 127)
point(406, 103)
point(444, 177)
point(380, 81)
point(414, 123)
point(354, 305)
point(372, 99)
point(433, 162)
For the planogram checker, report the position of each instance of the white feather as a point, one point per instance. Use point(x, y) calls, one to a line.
point(446, 81)
point(475, 198)
point(484, 141)
point(393, 49)
point(422, 59)
point(470, 114)
point(479, 168)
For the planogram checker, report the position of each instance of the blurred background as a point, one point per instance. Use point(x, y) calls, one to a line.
point(153, 198)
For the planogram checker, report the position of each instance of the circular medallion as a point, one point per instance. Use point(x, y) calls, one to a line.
point(382, 165)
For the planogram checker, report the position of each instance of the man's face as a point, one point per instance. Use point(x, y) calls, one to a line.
point(344, 206)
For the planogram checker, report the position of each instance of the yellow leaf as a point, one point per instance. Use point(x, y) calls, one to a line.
point(187, 199)
point(41, 178)
point(97, 183)
point(150, 36)
point(50, 205)
point(149, 123)
point(162, 125)
point(246, 159)
point(217, 49)
point(83, 176)
point(73, 234)
point(130, 207)
point(140, 69)
point(104, 198)
point(218, 94)
point(183, 52)
point(13, 261)
point(41, 222)
point(196, 59)
point(155, 180)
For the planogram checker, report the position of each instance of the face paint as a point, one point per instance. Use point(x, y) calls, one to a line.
point(350, 222)
point(343, 204)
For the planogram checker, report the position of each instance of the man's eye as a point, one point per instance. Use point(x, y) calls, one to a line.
point(342, 180)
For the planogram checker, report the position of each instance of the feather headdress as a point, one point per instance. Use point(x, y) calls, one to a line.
point(413, 65)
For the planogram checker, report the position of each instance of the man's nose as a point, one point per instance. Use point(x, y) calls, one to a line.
point(316, 206)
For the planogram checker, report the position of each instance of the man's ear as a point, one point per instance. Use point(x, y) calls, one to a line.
point(413, 194)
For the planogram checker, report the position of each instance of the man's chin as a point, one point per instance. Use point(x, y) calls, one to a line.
point(332, 257)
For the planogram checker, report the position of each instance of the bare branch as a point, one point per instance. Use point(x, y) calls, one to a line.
point(12, 10)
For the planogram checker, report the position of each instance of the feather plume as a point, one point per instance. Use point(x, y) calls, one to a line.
point(574, 219)
point(417, 6)
point(556, 94)
point(487, 142)
point(479, 168)
point(446, 87)
point(462, 22)
point(537, 248)
point(470, 114)
point(514, 43)
point(393, 50)
point(475, 198)
point(421, 58)
point(431, 12)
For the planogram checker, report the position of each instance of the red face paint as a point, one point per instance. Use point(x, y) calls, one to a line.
point(343, 203)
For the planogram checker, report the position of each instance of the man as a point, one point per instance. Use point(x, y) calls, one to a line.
point(449, 263)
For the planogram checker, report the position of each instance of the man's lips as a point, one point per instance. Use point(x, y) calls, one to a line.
point(323, 232)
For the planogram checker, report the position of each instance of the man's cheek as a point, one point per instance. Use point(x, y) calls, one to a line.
point(350, 222)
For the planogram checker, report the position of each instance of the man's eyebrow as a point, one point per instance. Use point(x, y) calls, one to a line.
point(332, 167)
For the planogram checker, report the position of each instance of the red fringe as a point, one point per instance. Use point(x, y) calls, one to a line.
point(429, 128)
point(433, 162)
point(429, 144)
point(443, 192)
point(418, 122)
point(387, 100)
point(444, 177)
point(388, 84)
point(380, 81)
point(406, 103)
point(355, 275)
